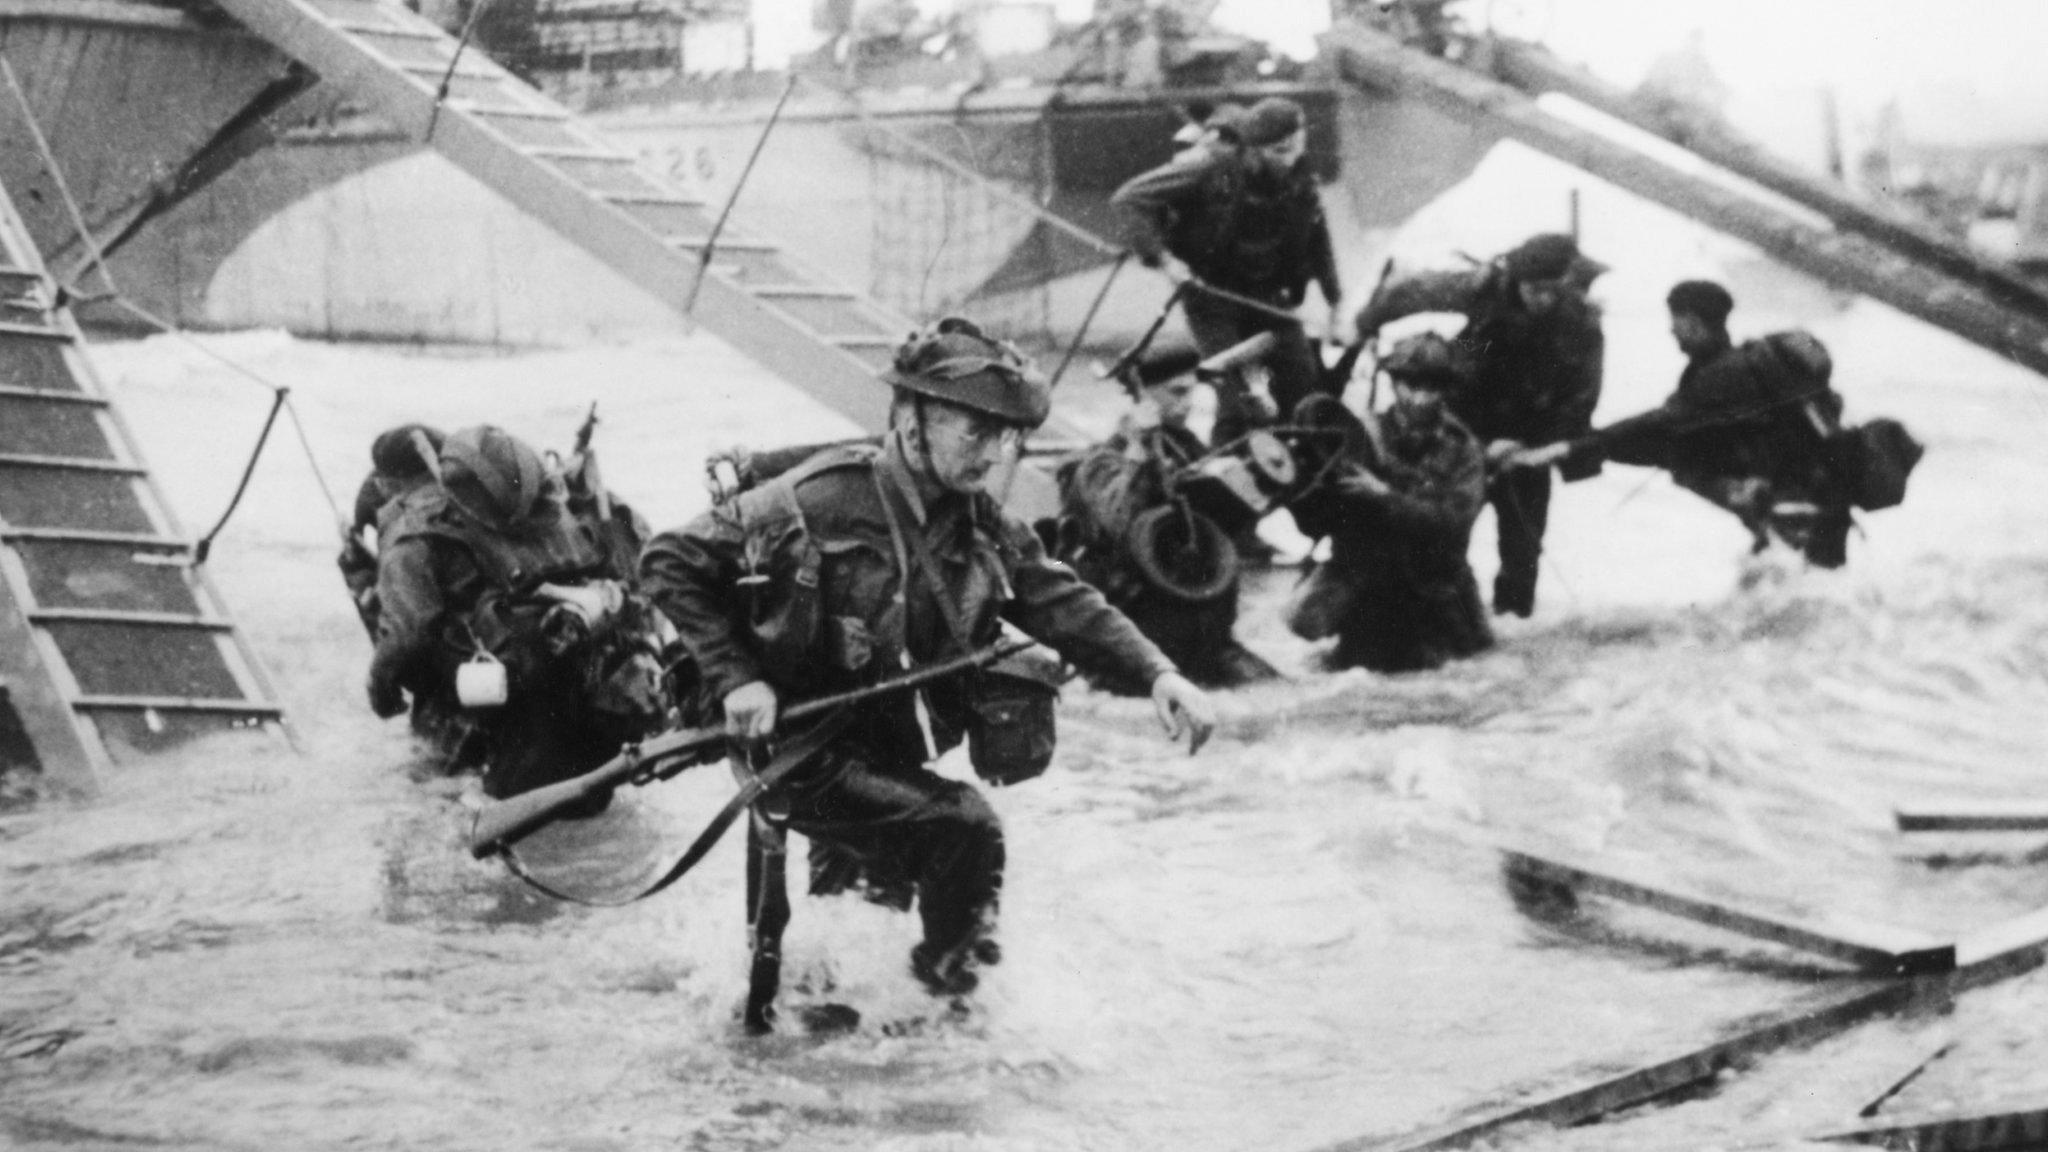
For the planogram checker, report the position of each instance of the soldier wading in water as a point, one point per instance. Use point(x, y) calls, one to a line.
point(856, 565)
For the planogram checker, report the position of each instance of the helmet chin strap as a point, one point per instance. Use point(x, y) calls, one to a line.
point(920, 461)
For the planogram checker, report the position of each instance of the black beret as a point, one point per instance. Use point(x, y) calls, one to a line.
point(1544, 257)
point(1702, 298)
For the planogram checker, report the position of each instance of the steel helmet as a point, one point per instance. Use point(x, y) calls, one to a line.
point(953, 361)
point(492, 475)
point(396, 452)
point(1426, 360)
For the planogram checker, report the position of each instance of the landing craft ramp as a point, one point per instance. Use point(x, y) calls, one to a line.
point(111, 642)
point(1876, 262)
point(827, 341)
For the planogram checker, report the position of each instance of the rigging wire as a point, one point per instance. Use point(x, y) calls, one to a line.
point(115, 296)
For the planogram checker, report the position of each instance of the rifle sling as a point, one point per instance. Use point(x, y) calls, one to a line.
point(786, 760)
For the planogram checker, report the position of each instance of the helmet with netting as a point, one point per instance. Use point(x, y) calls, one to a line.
point(1426, 360)
point(955, 362)
point(492, 475)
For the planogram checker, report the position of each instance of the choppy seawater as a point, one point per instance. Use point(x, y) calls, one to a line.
point(1296, 938)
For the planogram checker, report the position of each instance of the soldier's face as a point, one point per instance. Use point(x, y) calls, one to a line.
point(1283, 155)
point(1175, 400)
point(964, 448)
point(1425, 406)
point(1693, 333)
point(1540, 296)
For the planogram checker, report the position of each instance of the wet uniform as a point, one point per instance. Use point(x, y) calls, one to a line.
point(828, 618)
point(1250, 232)
point(1750, 412)
point(448, 584)
point(1527, 377)
point(1398, 589)
point(375, 499)
point(1101, 492)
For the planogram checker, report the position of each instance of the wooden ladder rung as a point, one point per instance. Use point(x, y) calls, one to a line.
point(802, 292)
point(119, 616)
point(651, 199)
point(89, 536)
point(596, 155)
point(54, 395)
point(70, 464)
point(9, 328)
point(177, 704)
point(391, 30)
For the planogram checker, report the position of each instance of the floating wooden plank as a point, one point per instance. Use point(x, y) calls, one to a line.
point(2007, 1128)
point(1811, 1019)
point(1975, 816)
point(1873, 948)
point(1901, 1082)
point(2003, 949)
point(1999, 952)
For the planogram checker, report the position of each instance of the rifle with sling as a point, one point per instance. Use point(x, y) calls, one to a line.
point(503, 823)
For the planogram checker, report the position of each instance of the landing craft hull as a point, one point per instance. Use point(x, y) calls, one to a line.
point(123, 93)
point(321, 233)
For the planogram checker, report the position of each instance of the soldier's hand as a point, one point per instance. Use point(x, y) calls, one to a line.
point(1542, 457)
point(1501, 451)
point(1184, 708)
point(750, 711)
point(386, 698)
point(1361, 483)
point(1176, 269)
point(1343, 328)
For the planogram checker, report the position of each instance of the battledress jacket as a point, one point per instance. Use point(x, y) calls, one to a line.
point(437, 565)
point(1526, 377)
point(1257, 234)
point(1414, 538)
point(826, 618)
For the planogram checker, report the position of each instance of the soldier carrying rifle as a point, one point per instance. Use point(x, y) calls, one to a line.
point(862, 563)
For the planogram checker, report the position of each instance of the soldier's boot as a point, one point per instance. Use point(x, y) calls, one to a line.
point(952, 971)
point(1514, 590)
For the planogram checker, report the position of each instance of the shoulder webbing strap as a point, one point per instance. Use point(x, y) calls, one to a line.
point(927, 566)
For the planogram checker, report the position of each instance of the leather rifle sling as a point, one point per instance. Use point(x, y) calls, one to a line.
point(786, 760)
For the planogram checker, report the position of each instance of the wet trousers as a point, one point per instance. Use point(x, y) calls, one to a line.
point(894, 830)
point(1296, 369)
point(1521, 510)
point(1387, 620)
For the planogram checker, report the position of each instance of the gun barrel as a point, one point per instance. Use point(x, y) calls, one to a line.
point(1243, 352)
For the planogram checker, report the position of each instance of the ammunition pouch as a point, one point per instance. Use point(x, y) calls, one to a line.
point(1012, 729)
